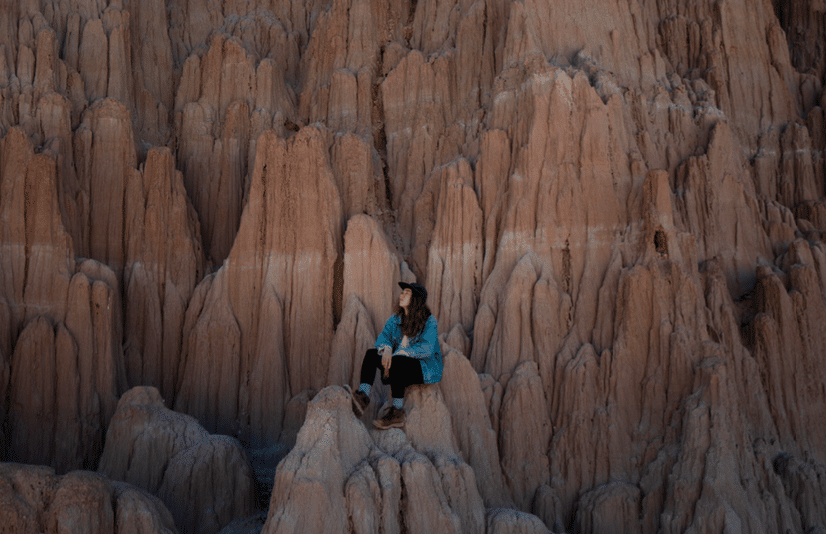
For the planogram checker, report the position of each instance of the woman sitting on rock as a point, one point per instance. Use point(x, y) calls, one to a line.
point(407, 352)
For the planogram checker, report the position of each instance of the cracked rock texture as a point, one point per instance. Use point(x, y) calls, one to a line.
point(617, 207)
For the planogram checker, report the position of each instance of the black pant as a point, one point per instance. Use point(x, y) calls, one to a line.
point(404, 371)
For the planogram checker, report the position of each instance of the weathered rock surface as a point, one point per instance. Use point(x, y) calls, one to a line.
point(369, 282)
point(248, 525)
point(617, 207)
point(205, 480)
point(381, 481)
point(164, 262)
point(35, 499)
point(271, 304)
point(474, 432)
point(63, 321)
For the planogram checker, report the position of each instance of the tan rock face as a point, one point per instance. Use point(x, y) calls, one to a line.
point(617, 209)
point(204, 480)
point(36, 500)
point(65, 319)
point(370, 274)
point(105, 157)
point(164, 262)
point(271, 305)
point(370, 467)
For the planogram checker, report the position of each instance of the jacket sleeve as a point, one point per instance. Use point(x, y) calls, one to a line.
point(425, 344)
point(385, 339)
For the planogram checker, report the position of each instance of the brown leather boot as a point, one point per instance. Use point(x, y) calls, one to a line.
point(394, 418)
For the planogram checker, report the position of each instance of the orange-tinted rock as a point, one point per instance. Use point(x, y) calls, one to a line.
point(455, 254)
point(65, 380)
point(31, 416)
point(359, 175)
point(524, 433)
point(646, 273)
point(215, 139)
point(149, 230)
point(274, 295)
point(732, 205)
point(164, 262)
point(476, 438)
point(303, 478)
point(69, 362)
point(152, 76)
point(338, 70)
point(95, 75)
point(213, 107)
point(370, 276)
point(25, 175)
point(45, 75)
point(119, 84)
point(786, 350)
point(537, 229)
point(804, 31)
point(371, 269)
point(413, 119)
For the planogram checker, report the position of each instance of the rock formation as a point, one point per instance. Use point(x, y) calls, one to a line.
point(35, 499)
point(204, 479)
point(271, 305)
point(164, 262)
point(62, 318)
point(617, 208)
point(392, 481)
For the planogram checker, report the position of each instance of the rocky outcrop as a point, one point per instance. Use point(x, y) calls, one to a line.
point(791, 381)
point(475, 436)
point(369, 277)
point(617, 209)
point(148, 234)
point(34, 499)
point(205, 480)
point(164, 262)
point(63, 321)
point(383, 481)
point(271, 304)
point(455, 250)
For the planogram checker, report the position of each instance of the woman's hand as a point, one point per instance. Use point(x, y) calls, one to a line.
point(386, 360)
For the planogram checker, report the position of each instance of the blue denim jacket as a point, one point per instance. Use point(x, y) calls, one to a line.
point(424, 346)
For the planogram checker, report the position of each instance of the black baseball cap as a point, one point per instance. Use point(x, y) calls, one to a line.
point(415, 288)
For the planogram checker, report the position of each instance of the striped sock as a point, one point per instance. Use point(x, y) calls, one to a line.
point(365, 388)
point(398, 403)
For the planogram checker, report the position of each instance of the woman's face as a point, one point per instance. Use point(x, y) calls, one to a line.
point(404, 298)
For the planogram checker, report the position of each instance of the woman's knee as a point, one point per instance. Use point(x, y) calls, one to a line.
point(407, 370)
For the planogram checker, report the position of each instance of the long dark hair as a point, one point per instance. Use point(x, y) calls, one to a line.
point(417, 315)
